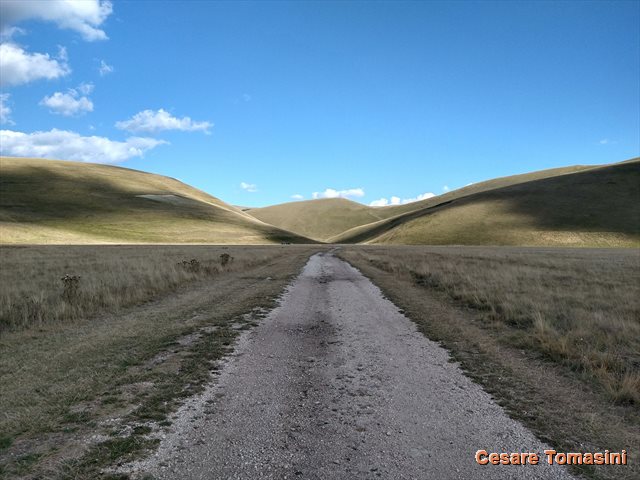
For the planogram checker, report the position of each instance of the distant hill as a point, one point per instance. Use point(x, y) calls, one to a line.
point(318, 219)
point(578, 206)
point(51, 201)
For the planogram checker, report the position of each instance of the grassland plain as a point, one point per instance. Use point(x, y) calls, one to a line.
point(58, 202)
point(553, 334)
point(92, 383)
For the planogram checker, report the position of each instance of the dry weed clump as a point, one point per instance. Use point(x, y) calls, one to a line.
point(71, 285)
point(577, 308)
point(192, 265)
point(104, 278)
point(225, 259)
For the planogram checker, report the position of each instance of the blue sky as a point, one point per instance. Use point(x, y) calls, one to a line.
point(371, 100)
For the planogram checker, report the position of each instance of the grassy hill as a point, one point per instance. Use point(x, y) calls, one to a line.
point(51, 201)
point(579, 206)
point(318, 219)
point(47, 201)
point(337, 219)
point(478, 187)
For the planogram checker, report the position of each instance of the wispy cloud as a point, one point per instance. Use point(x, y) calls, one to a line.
point(104, 68)
point(445, 188)
point(151, 121)
point(331, 193)
point(5, 109)
point(297, 196)
point(383, 202)
point(249, 187)
point(85, 88)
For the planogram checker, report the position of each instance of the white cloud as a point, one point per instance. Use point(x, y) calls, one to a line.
point(5, 110)
point(62, 144)
point(154, 121)
point(71, 103)
point(248, 187)
point(331, 193)
point(445, 188)
point(297, 196)
point(19, 66)
point(82, 16)
point(422, 196)
point(383, 202)
point(105, 68)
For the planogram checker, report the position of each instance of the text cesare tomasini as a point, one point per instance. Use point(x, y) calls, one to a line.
point(552, 457)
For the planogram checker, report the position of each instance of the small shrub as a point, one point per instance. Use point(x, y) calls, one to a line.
point(192, 265)
point(70, 287)
point(225, 259)
point(627, 390)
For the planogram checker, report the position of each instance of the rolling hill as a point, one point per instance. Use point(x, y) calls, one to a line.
point(343, 221)
point(318, 219)
point(585, 206)
point(51, 201)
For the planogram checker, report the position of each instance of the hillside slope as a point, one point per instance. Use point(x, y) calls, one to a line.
point(329, 219)
point(597, 206)
point(51, 201)
point(318, 219)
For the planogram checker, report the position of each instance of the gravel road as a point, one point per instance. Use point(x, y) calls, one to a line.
point(336, 383)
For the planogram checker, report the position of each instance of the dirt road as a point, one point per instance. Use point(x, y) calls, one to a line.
point(336, 383)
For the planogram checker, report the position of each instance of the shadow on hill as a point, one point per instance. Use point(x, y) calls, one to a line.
point(36, 193)
point(103, 202)
point(605, 199)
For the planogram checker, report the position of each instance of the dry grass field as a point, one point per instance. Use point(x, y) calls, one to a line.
point(93, 368)
point(554, 334)
point(85, 378)
point(34, 294)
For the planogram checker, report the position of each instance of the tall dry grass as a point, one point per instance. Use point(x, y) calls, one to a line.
point(34, 293)
point(579, 308)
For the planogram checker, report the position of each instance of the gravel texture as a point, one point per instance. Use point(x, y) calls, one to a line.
point(336, 383)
